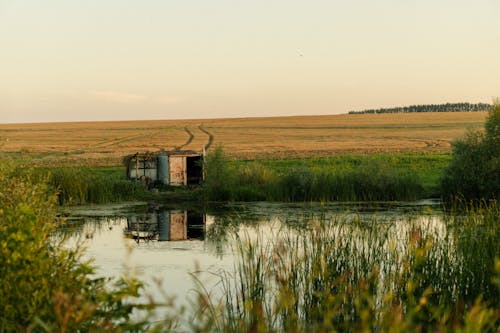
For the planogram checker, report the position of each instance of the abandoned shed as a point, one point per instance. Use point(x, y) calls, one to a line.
point(176, 168)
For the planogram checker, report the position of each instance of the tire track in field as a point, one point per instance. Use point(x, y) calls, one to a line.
point(190, 138)
point(113, 141)
point(210, 137)
point(129, 138)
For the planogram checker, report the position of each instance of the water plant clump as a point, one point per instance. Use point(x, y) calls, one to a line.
point(416, 274)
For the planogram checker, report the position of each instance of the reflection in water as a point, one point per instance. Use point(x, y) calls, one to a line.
point(173, 245)
point(158, 244)
point(166, 225)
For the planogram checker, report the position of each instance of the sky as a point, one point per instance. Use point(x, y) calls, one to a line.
point(67, 60)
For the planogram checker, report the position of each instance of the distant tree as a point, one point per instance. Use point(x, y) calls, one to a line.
point(448, 107)
point(474, 172)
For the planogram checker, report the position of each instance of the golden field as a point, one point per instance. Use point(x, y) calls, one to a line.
point(105, 143)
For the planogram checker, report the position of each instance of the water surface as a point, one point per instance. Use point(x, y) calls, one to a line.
point(169, 244)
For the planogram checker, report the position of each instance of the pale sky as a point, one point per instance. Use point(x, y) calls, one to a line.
point(66, 60)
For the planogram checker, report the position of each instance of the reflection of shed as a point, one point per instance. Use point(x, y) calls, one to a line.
point(180, 225)
point(180, 167)
point(165, 225)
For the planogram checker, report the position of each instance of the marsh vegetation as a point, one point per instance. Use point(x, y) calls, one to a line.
point(416, 273)
point(347, 178)
point(314, 271)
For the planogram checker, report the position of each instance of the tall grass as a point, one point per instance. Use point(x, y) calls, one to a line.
point(418, 274)
point(366, 179)
point(78, 186)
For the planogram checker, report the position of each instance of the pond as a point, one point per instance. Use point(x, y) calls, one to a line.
point(163, 245)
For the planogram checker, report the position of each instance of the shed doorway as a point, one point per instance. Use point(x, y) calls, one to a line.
point(194, 170)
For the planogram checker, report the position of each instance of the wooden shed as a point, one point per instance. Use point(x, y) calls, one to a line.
point(176, 168)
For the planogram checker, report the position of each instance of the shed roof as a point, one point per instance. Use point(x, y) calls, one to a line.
point(182, 153)
point(152, 155)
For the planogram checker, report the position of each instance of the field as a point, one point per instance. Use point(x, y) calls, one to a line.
point(105, 143)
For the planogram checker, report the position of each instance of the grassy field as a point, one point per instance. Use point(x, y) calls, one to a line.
point(105, 143)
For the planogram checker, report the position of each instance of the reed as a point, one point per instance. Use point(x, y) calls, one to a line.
point(77, 186)
point(353, 179)
point(414, 274)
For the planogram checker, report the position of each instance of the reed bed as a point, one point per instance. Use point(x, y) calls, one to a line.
point(77, 186)
point(359, 179)
point(422, 273)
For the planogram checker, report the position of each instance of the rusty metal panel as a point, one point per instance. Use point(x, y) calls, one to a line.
point(178, 225)
point(177, 168)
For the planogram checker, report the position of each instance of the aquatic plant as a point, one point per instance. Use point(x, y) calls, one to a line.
point(350, 275)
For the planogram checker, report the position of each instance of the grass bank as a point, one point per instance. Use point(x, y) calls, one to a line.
point(343, 178)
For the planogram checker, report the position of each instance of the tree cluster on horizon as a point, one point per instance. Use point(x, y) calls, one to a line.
point(448, 107)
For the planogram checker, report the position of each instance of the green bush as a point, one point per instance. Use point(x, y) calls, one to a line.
point(44, 285)
point(474, 171)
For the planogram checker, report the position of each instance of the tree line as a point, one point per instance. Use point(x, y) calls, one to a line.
point(448, 107)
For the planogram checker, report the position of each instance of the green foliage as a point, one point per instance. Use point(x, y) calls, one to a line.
point(219, 177)
point(352, 276)
point(474, 172)
point(340, 179)
point(44, 285)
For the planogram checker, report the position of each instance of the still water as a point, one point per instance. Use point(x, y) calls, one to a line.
point(164, 246)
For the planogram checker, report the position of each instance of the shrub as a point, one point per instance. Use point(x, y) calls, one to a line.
point(474, 171)
point(44, 285)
